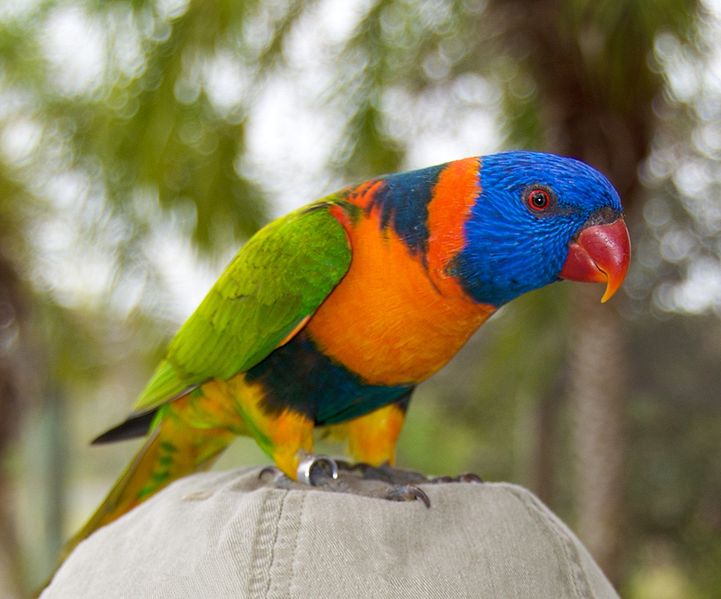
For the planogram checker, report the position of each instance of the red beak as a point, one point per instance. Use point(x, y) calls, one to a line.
point(600, 254)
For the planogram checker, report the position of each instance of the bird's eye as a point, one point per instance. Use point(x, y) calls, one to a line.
point(538, 199)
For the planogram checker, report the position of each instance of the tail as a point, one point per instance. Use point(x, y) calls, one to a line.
point(172, 450)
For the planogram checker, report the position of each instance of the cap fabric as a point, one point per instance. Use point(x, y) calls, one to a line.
point(229, 534)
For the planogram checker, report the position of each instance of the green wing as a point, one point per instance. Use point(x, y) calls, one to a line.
point(276, 280)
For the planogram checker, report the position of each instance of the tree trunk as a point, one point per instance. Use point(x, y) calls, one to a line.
point(11, 311)
point(10, 567)
point(543, 462)
point(597, 387)
point(581, 118)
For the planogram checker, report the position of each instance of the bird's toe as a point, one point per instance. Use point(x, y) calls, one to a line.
point(407, 493)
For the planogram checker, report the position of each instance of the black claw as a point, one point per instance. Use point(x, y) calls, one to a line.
point(408, 493)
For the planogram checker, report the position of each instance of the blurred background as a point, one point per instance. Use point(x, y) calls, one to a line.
point(141, 142)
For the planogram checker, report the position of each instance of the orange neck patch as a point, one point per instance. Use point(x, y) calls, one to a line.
point(392, 319)
point(453, 198)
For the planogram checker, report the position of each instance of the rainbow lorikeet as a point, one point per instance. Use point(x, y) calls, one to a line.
point(331, 315)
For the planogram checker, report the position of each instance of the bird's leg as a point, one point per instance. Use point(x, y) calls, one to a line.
point(372, 442)
point(286, 435)
point(372, 438)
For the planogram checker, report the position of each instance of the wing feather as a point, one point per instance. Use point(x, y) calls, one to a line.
point(276, 280)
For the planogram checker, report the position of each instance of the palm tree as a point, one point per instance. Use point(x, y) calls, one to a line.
point(592, 66)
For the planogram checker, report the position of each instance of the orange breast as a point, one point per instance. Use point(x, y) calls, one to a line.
point(393, 320)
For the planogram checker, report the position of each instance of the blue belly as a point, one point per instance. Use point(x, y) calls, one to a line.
point(298, 376)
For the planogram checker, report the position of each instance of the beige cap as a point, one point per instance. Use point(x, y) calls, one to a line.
point(229, 534)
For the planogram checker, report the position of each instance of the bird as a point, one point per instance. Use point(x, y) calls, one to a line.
point(331, 315)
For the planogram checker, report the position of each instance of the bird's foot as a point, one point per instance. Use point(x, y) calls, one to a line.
point(395, 484)
point(351, 482)
point(384, 473)
point(326, 474)
point(338, 476)
point(399, 476)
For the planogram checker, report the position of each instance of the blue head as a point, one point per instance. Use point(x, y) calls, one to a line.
point(530, 209)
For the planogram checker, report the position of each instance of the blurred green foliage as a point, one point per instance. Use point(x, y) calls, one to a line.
point(129, 129)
